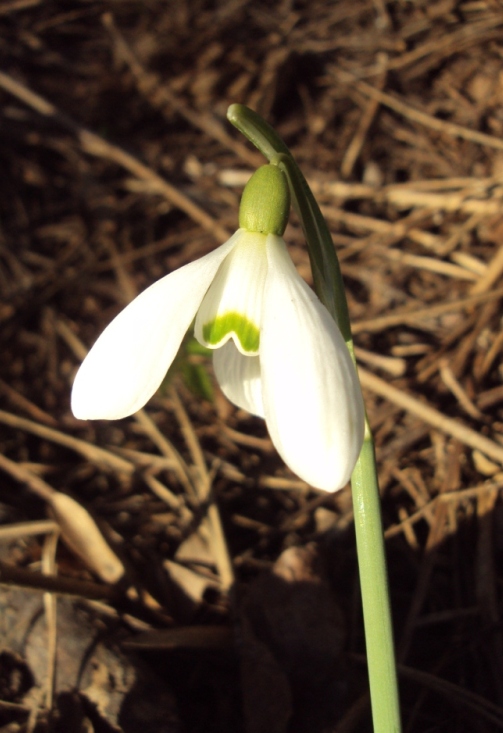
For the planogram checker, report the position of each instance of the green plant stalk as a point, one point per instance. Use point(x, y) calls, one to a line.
point(374, 589)
point(366, 505)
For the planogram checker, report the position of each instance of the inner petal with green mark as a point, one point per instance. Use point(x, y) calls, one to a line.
point(232, 307)
point(235, 324)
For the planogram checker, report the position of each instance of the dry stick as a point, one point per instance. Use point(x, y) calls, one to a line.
point(251, 441)
point(404, 198)
point(19, 400)
point(429, 263)
point(463, 352)
point(492, 273)
point(15, 5)
point(457, 41)
point(418, 195)
point(449, 497)
point(191, 440)
point(356, 144)
point(346, 189)
point(126, 285)
point(146, 460)
point(365, 223)
point(97, 456)
point(455, 387)
point(415, 495)
point(167, 449)
point(172, 240)
point(205, 495)
point(463, 258)
point(164, 494)
point(466, 183)
point(50, 608)
point(397, 229)
point(413, 316)
point(382, 233)
point(491, 396)
point(429, 364)
point(95, 145)
point(491, 354)
point(32, 481)
point(26, 529)
point(435, 536)
point(391, 364)
point(446, 128)
point(13, 575)
point(449, 197)
point(433, 417)
point(383, 237)
point(161, 97)
point(451, 244)
point(78, 528)
point(71, 340)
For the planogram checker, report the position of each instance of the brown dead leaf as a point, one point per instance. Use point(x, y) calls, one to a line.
point(293, 632)
point(94, 679)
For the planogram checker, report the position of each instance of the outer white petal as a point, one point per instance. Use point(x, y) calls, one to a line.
point(312, 399)
point(131, 357)
point(239, 378)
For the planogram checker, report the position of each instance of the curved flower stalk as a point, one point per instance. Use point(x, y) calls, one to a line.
point(277, 351)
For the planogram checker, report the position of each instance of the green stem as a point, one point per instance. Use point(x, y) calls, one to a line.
point(368, 524)
point(327, 276)
point(374, 589)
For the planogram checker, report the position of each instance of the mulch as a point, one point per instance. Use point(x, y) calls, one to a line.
point(167, 572)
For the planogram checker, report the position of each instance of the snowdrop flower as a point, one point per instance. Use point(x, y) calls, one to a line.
point(277, 351)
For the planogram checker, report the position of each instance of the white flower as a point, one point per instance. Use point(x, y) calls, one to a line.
point(278, 354)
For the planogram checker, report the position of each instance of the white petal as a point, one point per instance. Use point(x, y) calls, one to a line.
point(312, 399)
point(232, 307)
point(131, 357)
point(239, 378)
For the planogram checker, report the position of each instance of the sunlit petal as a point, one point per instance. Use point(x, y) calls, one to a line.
point(312, 399)
point(232, 307)
point(131, 357)
point(239, 378)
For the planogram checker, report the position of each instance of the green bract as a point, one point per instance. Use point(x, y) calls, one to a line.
point(265, 203)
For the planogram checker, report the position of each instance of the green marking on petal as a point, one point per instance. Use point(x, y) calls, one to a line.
point(235, 323)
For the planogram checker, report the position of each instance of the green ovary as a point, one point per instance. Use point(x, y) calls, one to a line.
point(233, 323)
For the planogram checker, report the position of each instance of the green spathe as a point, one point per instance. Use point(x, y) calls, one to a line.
point(233, 323)
point(265, 203)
